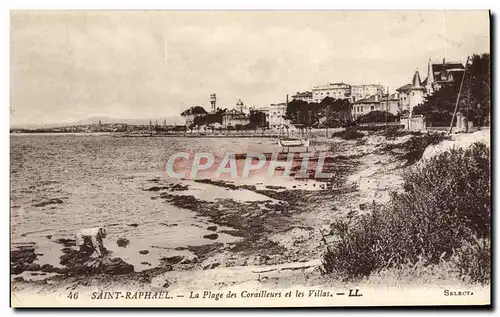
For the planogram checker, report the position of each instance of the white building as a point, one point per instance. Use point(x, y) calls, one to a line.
point(333, 90)
point(276, 118)
point(376, 103)
point(234, 118)
point(411, 95)
point(240, 106)
point(359, 92)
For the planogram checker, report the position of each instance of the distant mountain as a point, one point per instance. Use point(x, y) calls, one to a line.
point(95, 120)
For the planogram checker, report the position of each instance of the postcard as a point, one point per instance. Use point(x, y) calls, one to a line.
point(250, 158)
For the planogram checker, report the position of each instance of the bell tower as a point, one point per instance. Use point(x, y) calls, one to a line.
point(213, 99)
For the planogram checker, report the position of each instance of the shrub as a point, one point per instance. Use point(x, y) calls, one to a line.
point(443, 213)
point(350, 133)
point(473, 260)
point(352, 255)
point(377, 116)
point(416, 146)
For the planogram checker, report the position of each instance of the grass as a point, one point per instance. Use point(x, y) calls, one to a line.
point(442, 219)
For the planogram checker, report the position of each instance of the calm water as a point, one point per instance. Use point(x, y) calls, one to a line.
point(101, 181)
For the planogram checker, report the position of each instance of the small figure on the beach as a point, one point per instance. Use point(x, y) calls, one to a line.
point(90, 240)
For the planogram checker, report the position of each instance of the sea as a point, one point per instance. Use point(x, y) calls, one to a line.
point(63, 182)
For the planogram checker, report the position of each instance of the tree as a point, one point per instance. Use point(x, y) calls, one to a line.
point(438, 108)
point(257, 119)
point(338, 112)
point(216, 117)
point(199, 120)
point(479, 88)
point(294, 108)
point(196, 110)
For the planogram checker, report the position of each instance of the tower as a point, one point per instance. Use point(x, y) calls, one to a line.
point(415, 92)
point(213, 100)
point(430, 78)
point(416, 82)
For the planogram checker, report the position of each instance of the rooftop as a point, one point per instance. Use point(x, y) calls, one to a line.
point(450, 66)
point(303, 94)
point(332, 85)
point(405, 87)
point(393, 96)
point(236, 114)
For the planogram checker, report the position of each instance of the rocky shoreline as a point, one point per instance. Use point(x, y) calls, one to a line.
point(289, 226)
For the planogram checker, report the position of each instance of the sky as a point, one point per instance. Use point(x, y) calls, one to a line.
point(67, 66)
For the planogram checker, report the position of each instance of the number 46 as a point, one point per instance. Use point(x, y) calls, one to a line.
point(73, 295)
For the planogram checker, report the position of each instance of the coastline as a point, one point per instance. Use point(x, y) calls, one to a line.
point(291, 234)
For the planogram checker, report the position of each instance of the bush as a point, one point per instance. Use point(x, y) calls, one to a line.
point(377, 116)
point(397, 131)
point(444, 214)
point(352, 254)
point(416, 146)
point(473, 260)
point(348, 134)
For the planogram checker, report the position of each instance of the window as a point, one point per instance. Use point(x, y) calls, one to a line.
point(372, 108)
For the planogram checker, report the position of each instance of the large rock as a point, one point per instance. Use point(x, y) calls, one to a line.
point(22, 259)
point(116, 266)
point(211, 266)
point(189, 259)
point(81, 263)
point(33, 267)
point(47, 267)
point(172, 259)
point(122, 242)
point(16, 269)
point(212, 236)
point(52, 201)
point(23, 255)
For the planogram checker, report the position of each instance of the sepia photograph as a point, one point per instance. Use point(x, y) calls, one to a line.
point(315, 158)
